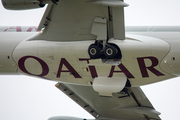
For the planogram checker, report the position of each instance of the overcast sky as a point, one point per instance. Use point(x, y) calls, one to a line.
point(25, 98)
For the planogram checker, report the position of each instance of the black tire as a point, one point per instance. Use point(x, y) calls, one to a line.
point(110, 52)
point(94, 51)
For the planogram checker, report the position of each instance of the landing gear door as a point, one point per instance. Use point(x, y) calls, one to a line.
point(118, 23)
point(99, 28)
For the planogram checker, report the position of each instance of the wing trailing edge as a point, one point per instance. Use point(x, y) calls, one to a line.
point(129, 104)
point(70, 20)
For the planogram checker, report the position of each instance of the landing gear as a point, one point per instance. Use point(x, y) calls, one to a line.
point(94, 51)
point(110, 51)
point(105, 51)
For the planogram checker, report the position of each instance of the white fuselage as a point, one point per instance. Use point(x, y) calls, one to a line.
point(147, 57)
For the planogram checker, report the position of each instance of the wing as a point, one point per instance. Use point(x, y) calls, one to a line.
point(83, 20)
point(130, 104)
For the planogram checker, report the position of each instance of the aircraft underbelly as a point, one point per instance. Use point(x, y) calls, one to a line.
point(170, 63)
point(8, 42)
point(69, 61)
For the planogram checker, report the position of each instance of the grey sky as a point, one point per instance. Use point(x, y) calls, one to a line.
point(25, 98)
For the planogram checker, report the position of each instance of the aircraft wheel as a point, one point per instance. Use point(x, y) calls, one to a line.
point(94, 51)
point(110, 52)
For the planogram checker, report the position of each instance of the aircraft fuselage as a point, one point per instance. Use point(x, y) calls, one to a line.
point(147, 57)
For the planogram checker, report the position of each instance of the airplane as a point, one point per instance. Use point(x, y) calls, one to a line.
point(146, 67)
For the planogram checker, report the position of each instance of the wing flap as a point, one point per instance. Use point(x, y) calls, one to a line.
point(131, 104)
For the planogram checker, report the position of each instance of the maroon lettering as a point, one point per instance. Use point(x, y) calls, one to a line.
point(17, 28)
point(144, 68)
point(123, 70)
point(91, 67)
point(93, 71)
point(69, 67)
point(31, 28)
point(45, 68)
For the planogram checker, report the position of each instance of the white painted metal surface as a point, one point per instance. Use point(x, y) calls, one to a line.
point(106, 86)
